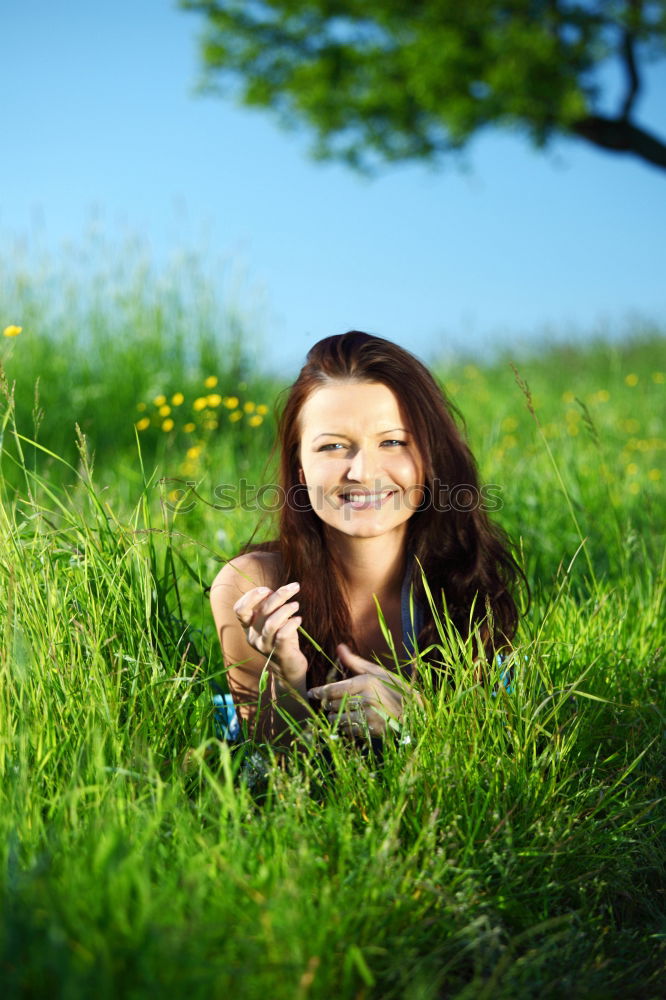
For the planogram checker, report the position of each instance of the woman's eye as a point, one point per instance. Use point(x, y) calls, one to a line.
point(338, 444)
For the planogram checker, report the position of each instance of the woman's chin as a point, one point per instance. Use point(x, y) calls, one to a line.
point(365, 527)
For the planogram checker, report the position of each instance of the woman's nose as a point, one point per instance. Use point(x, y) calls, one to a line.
point(362, 467)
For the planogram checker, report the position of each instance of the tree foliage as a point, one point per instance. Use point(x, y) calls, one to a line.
point(396, 80)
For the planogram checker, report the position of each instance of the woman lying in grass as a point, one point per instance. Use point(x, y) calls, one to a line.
point(375, 478)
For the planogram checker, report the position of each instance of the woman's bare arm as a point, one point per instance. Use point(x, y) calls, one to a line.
point(235, 585)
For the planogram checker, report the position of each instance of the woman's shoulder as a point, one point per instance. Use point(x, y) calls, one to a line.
point(258, 568)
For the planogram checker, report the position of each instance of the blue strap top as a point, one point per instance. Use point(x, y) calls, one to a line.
point(410, 634)
point(410, 631)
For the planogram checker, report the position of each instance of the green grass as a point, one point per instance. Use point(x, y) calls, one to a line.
point(97, 342)
point(505, 846)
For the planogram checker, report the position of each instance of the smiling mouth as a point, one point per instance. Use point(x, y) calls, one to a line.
point(365, 501)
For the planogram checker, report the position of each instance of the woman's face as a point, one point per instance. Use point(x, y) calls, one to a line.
point(359, 460)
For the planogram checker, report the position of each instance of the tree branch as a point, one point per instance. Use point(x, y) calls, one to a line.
point(634, 83)
point(620, 136)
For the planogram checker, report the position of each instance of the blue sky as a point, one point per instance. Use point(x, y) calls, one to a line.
point(99, 117)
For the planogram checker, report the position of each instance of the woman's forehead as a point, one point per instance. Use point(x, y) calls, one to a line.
point(368, 403)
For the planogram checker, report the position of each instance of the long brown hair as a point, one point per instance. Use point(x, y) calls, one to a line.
point(465, 557)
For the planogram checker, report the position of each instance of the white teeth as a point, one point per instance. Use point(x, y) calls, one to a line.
point(360, 497)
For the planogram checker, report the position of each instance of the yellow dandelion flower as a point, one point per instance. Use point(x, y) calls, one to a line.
point(167, 425)
point(177, 399)
point(188, 428)
point(210, 425)
point(142, 424)
point(568, 396)
point(631, 379)
point(255, 420)
point(12, 331)
point(643, 445)
point(200, 403)
point(631, 469)
point(188, 469)
point(193, 452)
point(509, 441)
point(262, 409)
point(631, 426)
point(634, 488)
point(509, 424)
point(235, 416)
point(140, 407)
point(159, 400)
point(231, 402)
point(654, 475)
point(249, 407)
point(165, 410)
point(214, 399)
point(658, 377)
point(602, 396)
point(573, 429)
point(210, 382)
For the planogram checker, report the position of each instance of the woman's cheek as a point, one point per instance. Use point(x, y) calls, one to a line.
point(414, 497)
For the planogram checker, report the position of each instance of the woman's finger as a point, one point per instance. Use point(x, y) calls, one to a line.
point(351, 715)
point(364, 669)
point(288, 630)
point(264, 630)
point(353, 685)
point(278, 597)
point(359, 664)
point(262, 600)
point(356, 722)
point(354, 729)
point(347, 702)
point(245, 606)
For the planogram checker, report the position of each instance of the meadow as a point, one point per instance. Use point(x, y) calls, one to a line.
point(504, 845)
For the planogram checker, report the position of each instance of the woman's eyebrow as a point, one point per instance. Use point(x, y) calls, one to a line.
point(391, 430)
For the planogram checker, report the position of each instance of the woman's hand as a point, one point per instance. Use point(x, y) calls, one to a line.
point(371, 697)
point(271, 627)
